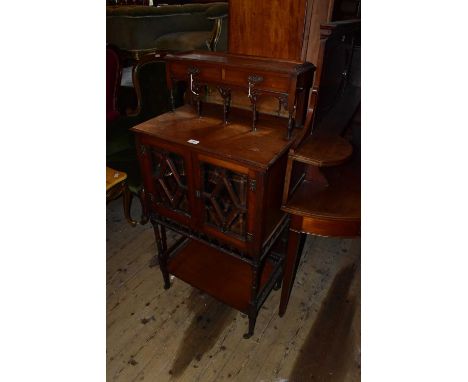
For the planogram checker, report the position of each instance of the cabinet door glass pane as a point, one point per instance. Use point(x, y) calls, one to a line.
point(224, 197)
point(170, 180)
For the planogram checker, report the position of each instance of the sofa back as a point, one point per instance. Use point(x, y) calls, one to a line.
point(137, 27)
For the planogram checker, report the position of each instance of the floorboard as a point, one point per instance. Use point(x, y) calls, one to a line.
point(181, 334)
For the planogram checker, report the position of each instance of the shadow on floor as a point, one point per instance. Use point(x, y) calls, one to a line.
point(210, 319)
point(326, 354)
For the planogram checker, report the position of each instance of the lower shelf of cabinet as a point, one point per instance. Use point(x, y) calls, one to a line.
point(226, 278)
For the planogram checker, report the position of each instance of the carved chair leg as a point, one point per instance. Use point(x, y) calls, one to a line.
point(144, 209)
point(127, 204)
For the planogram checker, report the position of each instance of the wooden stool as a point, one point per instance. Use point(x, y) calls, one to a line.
point(322, 193)
point(116, 185)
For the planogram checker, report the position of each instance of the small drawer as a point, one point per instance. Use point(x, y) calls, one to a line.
point(206, 73)
point(270, 81)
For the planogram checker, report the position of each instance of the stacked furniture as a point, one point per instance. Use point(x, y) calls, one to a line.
point(215, 173)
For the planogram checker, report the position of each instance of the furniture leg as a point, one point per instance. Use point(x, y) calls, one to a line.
point(198, 107)
point(252, 321)
point(155, 260)
point(253, 309)
point(164, 238)
point(290, 125)
point(144, 209)
point(127, 203)
point(292, 257)
point(162, 253)
point(172, 100)
point(254, 115)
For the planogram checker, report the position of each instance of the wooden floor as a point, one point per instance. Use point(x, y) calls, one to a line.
point(181, 334)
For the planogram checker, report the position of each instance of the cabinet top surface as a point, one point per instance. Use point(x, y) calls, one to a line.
point(235, 141)
point(242, 61)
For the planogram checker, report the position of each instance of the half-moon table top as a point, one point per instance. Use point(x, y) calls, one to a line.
point(324, 151)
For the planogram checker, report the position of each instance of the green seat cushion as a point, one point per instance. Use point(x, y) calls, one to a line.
point(182, 41)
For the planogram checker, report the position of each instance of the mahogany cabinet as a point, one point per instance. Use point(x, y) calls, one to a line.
point(217, 178)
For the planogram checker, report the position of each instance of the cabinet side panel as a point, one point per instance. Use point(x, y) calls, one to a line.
point(272, 213)
point(321, 14)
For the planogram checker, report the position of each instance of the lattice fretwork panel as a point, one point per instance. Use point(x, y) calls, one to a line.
point(170, 180)
point(225, 199)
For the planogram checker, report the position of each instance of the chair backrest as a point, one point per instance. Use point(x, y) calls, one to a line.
point(153, 96)
point(113, 77)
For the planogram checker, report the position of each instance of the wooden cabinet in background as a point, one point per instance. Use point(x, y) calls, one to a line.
point(287, 29)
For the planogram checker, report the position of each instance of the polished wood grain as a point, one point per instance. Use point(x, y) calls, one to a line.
point(320, 13)
point(233, 165)
point(324, 151)
point(275, 29)
point(259, 149)
point(231, 60)
point(114, 177)
point(116, 185)
point(269, 28)
point(217, 274)
point(213, 157)
point(339, 200)
point(278, 29)
point(326, 201)
point(288, 82)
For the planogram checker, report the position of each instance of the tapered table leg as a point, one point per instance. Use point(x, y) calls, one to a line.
point(292, 257)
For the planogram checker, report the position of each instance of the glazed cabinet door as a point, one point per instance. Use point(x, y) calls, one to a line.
point(225, 199)
point(166, 173)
